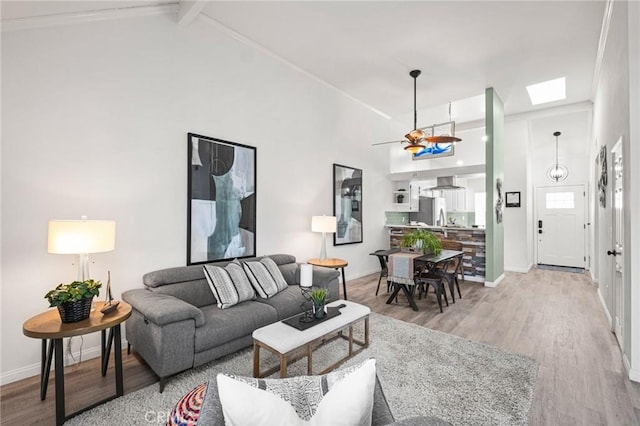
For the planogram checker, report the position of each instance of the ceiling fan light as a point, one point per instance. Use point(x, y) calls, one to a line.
point(414, 148)
point(442, 139)
point(415, 135)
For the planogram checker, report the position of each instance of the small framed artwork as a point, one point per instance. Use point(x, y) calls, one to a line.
point(512, 199)
point(221, 205)
point(347, 204)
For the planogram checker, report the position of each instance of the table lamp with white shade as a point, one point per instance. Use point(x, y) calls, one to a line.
point(324, 224)
point(83, 237)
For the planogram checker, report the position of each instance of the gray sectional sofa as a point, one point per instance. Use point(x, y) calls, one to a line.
point(176, 325)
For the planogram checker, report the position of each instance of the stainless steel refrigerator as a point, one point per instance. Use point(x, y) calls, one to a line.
point(432, 211)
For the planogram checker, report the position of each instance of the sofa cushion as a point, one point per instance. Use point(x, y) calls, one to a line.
point(265, 277)
point(184, 282)
point(287, 303)
point(343, 397)
point(224, 325)
point(288, 271)
point(229, 285)
point(282, 259)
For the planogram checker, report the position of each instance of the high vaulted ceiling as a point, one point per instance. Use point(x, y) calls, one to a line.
point(366, 49)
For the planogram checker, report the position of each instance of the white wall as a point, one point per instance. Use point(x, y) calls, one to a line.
point(633, 156)
point(517, 221)
point(611, 121)
point(95, 118)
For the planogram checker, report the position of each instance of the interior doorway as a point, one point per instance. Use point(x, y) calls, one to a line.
point(618, 243)
point(560, 225)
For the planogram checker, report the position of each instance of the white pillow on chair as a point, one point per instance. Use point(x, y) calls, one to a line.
point(342, 397)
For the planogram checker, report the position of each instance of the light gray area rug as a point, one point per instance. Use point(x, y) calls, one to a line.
point(422, 371)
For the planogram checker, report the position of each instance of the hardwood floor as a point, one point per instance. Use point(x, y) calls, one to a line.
point(553, 317)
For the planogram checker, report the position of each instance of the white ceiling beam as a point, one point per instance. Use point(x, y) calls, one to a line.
point(31, 22)
point(189, 10)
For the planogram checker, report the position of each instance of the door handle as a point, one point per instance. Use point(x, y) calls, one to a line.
point(612, 253)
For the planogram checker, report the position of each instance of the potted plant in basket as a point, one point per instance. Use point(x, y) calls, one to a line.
point(319, 299)
point(73, 300)
point(422, 240)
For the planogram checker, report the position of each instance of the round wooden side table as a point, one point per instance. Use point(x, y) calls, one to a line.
point(48, 327)
point(335, 264)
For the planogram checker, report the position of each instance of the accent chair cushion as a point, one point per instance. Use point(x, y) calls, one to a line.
point(265, 277)
point(343, 397)
point(229, 285)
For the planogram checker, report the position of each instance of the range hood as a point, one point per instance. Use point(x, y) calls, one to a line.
point(446, 182)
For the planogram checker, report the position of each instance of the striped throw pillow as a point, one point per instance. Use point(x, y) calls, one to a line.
point(265, 277)
point(229, 285)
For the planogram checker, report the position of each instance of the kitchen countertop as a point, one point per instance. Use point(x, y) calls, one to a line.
point(470, 228)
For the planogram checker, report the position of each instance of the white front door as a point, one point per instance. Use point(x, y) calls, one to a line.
point(618, 243)
point(560, 225)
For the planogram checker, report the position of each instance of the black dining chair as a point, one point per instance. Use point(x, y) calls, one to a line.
point(453, 269)
point(384, 270)
point(433, 277)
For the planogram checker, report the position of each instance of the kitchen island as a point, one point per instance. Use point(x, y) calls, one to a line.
point(472, 240)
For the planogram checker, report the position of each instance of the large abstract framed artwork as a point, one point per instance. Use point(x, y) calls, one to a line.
point(347, 204)
point(221, 209)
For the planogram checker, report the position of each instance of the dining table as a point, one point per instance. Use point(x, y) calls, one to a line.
point(403, 268)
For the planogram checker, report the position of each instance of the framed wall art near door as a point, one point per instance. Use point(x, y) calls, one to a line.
point(347, 204)
point(221, 208)
point(512, 199)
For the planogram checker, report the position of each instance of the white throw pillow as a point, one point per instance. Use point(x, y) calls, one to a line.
point(339, 398)
point(265, 277)
point(229, 285)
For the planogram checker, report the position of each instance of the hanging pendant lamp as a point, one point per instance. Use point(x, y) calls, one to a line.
point(557, 172)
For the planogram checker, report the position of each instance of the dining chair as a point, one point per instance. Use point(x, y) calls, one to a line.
point(384, 270)
point(454, 245)
point(453, 268)
point(450, 273)
point(426, 277)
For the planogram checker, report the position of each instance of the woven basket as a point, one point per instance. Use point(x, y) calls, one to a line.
point(75, 311)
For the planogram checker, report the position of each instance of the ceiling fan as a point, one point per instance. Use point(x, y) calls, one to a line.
point(417, 137)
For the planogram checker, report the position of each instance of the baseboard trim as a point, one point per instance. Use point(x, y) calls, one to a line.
point(625, 362)
point(34, 369)
point(604, 307)
point(494, 283)
point(634, 375)
point(476, 279)
point(519, 270)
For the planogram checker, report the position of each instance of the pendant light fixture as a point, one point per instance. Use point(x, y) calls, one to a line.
point(557, 172)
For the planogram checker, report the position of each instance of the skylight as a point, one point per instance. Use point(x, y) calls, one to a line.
point(547, 91)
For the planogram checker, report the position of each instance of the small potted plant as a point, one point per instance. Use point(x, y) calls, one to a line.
point(319, 299)
point(73, 300)
point(422, 240)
